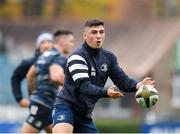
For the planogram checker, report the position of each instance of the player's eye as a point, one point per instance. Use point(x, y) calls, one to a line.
point(102, 32)
point(93, 32)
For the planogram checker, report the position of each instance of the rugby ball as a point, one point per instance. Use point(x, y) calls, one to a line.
point(146, 96)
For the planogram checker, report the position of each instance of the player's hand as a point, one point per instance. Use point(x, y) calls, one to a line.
point(113, 92)
point(146, 81)
point(24, 103)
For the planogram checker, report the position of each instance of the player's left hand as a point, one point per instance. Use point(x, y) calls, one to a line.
point(146, 81)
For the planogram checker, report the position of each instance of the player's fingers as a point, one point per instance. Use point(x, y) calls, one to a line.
point(150, 82)
point(148, 78)
point(118, 94)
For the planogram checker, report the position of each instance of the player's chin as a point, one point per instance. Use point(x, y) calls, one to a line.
point(98, 45)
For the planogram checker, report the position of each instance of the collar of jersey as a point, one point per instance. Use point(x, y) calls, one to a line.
point(93, 51)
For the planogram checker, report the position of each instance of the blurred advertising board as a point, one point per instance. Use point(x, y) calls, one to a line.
point(161, 127)
point(7, 127)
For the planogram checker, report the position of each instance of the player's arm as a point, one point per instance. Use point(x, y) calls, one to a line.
point(18, 76)
point(78, 69)
point(31, 78)
point(16, 80)
point(57, 74)
point(119, 78)
point(122, 81)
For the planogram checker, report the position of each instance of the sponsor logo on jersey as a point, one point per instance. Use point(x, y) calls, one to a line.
point(93, 72)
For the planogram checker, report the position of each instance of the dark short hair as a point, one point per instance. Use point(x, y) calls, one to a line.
point(61, 32)
point(93, 22)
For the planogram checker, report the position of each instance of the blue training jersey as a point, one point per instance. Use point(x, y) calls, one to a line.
point(87, 71)
point(46, 89)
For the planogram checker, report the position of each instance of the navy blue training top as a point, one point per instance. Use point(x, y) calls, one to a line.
point(86, 73)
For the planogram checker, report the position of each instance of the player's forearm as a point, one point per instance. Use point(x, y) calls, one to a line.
point(58, 78)
point(31, 86)
point(90, 89)
point(128, 86)
point(125, 84)
point(31, 83)
point(16, 90)
point(57, 74)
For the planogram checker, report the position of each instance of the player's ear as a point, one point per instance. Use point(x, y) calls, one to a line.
point(85, 36)
point(61, 41)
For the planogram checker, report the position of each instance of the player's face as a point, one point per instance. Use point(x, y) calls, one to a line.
point(94, 36)
point(46, 45)
point(68, 44)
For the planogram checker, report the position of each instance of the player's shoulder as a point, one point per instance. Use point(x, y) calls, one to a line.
point(50, 53)
point(28, 61)
point(108, 53)
point(46, 57)
point(78, 52)
point(60, 58)
point(78, 56)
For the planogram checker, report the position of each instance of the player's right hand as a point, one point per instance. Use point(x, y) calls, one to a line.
point(113, 92)
point(24, 103)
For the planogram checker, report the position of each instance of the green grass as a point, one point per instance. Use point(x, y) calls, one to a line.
point(117, 125)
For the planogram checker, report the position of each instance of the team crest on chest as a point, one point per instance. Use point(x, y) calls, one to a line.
point(104, 67)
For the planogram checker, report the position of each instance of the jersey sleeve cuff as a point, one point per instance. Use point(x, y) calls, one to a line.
point(134, 89)
point(18, 99)
point(104, 93)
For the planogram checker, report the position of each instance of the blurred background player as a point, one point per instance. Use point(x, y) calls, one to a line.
point(43, 43)
point(44, 77)
point(87, 71)
point(65, 40)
